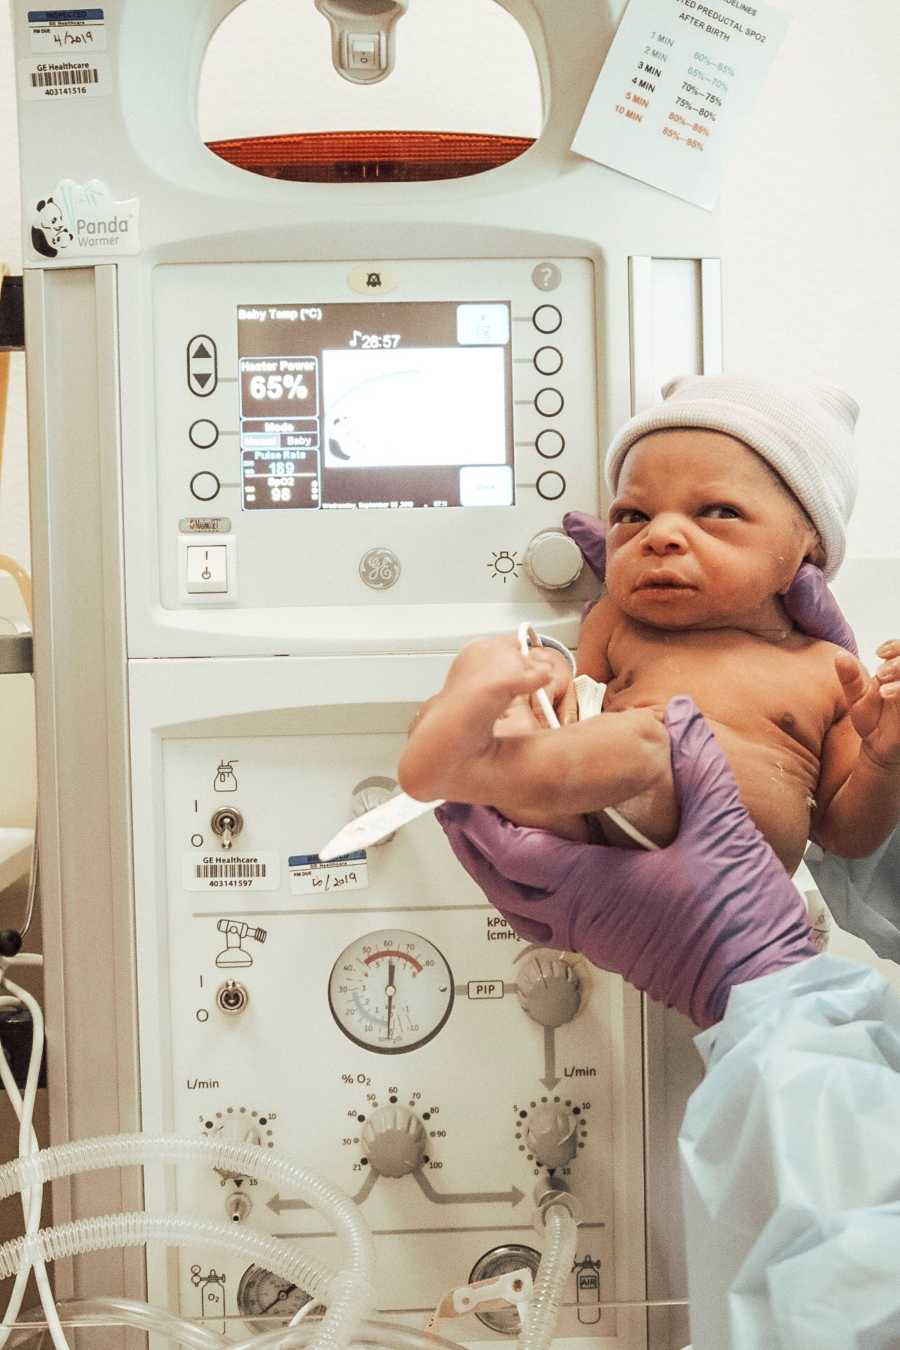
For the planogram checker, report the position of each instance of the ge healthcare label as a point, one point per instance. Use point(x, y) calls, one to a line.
point(230, 872)
point(68, 63)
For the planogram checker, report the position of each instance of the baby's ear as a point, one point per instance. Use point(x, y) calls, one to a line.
point(816, 553)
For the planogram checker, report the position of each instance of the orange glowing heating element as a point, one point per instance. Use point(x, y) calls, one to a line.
point(370, 156)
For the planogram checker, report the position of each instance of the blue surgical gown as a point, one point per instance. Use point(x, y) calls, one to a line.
point(790, 1152)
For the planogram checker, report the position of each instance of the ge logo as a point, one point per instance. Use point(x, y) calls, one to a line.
point(373, 279)
point(379, 568)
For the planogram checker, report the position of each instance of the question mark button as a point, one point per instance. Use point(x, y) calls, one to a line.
point(546, 276)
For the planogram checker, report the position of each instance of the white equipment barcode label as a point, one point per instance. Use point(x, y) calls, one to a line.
point(231, 872)
point(65, 78)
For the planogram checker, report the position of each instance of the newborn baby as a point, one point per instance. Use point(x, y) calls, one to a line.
point(720, 493)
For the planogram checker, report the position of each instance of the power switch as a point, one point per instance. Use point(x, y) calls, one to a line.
point(207, 569)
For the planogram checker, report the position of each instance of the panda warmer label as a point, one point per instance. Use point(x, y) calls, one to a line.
point(82, 220)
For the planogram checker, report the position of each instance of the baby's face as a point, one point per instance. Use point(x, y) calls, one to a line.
point(701, 533)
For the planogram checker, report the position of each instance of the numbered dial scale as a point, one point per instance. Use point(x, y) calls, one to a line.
point(390, 991)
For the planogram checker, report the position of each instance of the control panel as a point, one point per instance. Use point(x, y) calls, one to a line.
point(423, 425)
point(377, 1020)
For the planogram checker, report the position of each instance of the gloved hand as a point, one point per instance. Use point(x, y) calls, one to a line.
point(809, 602)
point(683, 923)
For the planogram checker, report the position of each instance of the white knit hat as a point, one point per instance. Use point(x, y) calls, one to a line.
point(804, 432)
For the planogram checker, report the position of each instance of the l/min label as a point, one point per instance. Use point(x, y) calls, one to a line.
point(231, 872)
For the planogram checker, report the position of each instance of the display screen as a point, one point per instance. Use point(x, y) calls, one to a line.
point(365, 406)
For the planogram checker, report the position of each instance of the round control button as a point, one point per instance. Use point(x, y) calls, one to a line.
point(548, 360)
point(205, 485)
point(550, 486)
point(546, 318)
point(204, 433)
point(550, 443)
point(553, 560)
point(548, 402)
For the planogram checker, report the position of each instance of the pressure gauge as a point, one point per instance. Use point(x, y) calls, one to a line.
point(390, 991)
point(262, 1295)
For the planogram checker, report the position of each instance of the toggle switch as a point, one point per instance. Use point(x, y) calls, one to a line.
point(207, 568)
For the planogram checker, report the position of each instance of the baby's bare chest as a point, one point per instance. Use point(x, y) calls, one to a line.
point(757, 689)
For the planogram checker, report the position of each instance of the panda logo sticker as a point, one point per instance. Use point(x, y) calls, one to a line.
point(49, 234)
point(84, 220)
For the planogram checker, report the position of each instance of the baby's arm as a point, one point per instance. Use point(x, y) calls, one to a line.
point(859, 782)
point(593, 641)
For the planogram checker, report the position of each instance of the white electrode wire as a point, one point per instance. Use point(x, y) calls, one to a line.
point(28, 1144)
point(527, 638)
point(348, 1296)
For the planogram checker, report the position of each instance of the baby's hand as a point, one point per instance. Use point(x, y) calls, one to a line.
point(874, 704)
point(496, 667)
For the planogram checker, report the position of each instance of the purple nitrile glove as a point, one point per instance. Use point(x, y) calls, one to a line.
point(812, 607)
point(589, 534)
point(809, 602)
point(684, 923)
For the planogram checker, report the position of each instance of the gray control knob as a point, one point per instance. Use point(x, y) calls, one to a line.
point(553, 560)
point(551, 1135)
point(549, 990)
point(371, 792)
point(394, 1141)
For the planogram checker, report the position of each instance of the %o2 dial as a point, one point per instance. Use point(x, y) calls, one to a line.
point(390, 991)
point(262, 1297)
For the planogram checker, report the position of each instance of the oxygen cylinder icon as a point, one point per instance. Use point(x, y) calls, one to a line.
point(226, 778)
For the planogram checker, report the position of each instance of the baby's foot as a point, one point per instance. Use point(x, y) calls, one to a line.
point(450, 752)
